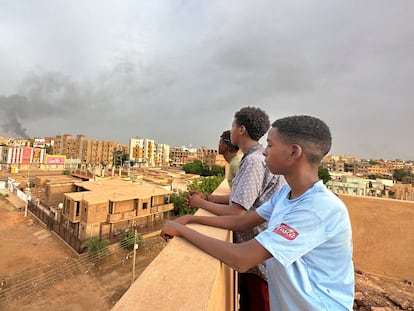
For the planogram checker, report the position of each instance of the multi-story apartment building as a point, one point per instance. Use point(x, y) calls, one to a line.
point(88, 151)
point(3, 159)
point(361, 168)
point(332, 165)
point(207, 156)
point(378, 170)
point(19, 142)
point(142, 151)
point(21, 157)
point(181, 155)
point(162, 154)
point(328, 163)
point(346, 184)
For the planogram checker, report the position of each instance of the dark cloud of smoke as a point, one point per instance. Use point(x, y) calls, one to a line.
point(127, 88)
point(40, 96)
point(11, 109)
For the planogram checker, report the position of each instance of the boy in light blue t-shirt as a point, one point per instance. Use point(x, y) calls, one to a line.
point(308, 244)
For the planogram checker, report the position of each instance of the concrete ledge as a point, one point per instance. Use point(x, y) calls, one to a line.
point(182, 277)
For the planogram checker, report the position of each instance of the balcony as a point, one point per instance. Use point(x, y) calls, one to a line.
point(182, 277)
point(114, 217)
point(129, 215)
point(165, 207)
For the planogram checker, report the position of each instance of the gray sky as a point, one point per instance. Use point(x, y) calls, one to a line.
point(177, 71)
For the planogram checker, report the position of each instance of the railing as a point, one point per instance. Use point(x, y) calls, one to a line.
point(165, 207)
point(114, 217)
point(182, 277)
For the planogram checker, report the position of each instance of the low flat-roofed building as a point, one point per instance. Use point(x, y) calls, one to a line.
point(107, 208)
point(49, 190)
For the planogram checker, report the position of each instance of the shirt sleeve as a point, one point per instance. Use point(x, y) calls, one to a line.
point(248, 182)
point(266, 209)
point(294, 235)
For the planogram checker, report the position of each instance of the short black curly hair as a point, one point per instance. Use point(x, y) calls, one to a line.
point(311, 133)
point(227, 140)
point(254, 119)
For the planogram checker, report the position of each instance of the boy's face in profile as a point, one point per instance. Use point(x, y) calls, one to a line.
point(233, 133)
point(221, 146)
point(277, 153)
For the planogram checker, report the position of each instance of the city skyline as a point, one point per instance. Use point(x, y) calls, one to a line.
point(190, 147)
point(176, 71)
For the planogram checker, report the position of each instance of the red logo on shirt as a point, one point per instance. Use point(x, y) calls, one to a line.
point(286, 232)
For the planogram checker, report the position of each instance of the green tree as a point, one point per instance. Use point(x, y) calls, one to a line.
point(119, 157)
point(323, 174)
point(49, 149)
point(217, 170)
point(127, 241)
point(180, 208)
point(195, 167)
point(400, 174)
point(95, 246)
point(198, 167)
point(206, 185)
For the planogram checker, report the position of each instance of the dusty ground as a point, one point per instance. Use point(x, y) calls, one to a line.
point(37, 272)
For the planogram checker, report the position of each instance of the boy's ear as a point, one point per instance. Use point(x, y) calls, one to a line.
point(296, 152)
point(242, 129)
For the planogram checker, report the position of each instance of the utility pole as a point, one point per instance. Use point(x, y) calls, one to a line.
point(25, 206)
point(135, 255)
point(27, 192)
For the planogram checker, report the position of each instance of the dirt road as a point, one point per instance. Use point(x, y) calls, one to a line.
point(38, 272)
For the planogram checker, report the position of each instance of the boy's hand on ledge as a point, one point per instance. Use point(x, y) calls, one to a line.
point(170, 230)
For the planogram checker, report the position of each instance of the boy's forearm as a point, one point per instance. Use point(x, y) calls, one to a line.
point(220, 209)
point(221, 199)
point(223, 222)
point(223, 251)
point(240, 257)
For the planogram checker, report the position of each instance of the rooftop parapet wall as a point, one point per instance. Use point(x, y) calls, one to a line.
point(183, 277)
point(383, 235)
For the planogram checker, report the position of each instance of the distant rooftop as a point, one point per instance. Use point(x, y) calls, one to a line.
point(114, 190)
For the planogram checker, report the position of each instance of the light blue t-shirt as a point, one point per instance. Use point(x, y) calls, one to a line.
point(311, 242)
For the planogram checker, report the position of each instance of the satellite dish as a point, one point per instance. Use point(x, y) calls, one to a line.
point(60, 206)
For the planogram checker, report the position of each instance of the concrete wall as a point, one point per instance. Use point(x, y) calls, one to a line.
point(54, 193)
point(184, 278)
point(383, 235)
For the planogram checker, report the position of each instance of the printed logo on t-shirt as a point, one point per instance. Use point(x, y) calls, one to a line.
point(285, 231)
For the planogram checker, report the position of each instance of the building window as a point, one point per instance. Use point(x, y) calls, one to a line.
point(77, 208)
point(135, 204)
point(144, 205)
point(111, 207)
